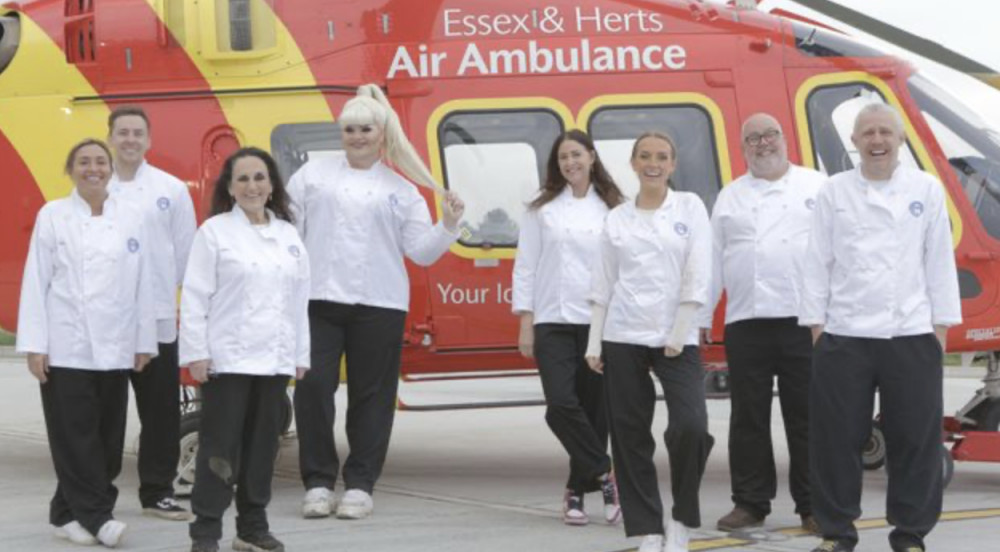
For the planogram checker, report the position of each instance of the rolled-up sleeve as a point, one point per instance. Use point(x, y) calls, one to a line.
point(696, 277)
point(604, 278)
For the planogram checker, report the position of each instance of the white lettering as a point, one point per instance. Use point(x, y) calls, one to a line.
point(472, 59)
point(508, 57)
point(450, 295)
point(647, 57)
point(534, 52)
point(402, 62)
point(675, 57)
point(448, 22)
point(582, 20)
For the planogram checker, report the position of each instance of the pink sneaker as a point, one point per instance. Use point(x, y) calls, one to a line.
point(609, 491)
point(573, 513)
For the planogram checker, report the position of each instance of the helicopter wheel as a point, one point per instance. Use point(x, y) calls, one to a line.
point(873, 455)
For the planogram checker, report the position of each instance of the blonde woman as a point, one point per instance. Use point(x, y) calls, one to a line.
point(359, 218)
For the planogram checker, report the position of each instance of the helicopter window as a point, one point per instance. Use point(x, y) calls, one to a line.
point(496, 161)
point(615, 129)
point(10, 39)
point(831, 111)
point(244, 25)
point(816, 42)
point(972, 148)
point(294, 144)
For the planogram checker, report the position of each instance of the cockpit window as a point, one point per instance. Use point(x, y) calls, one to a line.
point(496, 161)
point(816, 42)
point(293, 144)
point(831, 111)
point(972, 148)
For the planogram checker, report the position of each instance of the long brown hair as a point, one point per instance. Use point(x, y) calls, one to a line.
point(604, 185)
point(222, 202)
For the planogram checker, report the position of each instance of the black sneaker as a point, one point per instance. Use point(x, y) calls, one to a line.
point(205, 546)
point(834, 546)
point(573, 512)
point(167, 508)
point(609, 492)
point(258, 543)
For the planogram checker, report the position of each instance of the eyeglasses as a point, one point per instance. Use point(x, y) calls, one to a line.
point(768, 136)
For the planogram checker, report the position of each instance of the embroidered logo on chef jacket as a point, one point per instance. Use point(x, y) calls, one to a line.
point(163, 203)
point(810, 203)
point(133, 245)
point(681, 229)
point(916, 208)
point(294, 250)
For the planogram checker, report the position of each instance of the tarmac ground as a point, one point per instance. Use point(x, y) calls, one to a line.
point(480, 479)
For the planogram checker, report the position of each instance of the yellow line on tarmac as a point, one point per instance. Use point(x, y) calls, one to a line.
point(721, 543)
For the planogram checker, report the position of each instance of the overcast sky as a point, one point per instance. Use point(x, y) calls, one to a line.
point(969, 27)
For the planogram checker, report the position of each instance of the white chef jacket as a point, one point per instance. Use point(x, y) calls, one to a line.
point(357, 226)
point(649, 265)
point(556, 249)
point(170, 225)
point(880, 262)
point(245, 299)
point(87, 291)
point(760, 230)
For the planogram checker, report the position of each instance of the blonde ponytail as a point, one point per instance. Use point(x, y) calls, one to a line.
point(370, 106)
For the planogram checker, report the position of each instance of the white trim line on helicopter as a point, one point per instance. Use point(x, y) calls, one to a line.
point(536, 59)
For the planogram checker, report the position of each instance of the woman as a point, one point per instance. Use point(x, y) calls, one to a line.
point(244, 333)
point(655, 255)
point(86, 318)
point(358, 219)
point(558, 241)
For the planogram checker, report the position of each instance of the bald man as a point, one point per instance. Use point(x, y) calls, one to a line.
point(879, 290)
point(760, 229)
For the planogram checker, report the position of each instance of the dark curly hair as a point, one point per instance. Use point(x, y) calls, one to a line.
point(222, 201)
point(604, 185)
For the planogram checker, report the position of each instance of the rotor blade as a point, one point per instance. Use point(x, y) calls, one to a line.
point(908, 41)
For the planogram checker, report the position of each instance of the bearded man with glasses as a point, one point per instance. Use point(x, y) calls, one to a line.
point(760, 229)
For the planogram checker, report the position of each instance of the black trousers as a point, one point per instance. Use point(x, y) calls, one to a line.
point(372, 340)
point(238, 436)
point(907, 373)
point(85, 413)
point(157, 398)
point(758, 351)
point(574, 399)
point(631, 400)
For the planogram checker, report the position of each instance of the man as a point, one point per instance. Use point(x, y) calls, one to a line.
point(760, 229)
point(879, 292)
point(170, 223)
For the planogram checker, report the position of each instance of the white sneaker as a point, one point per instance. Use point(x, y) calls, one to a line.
point(318, 503)
point(355, 504)
point(651, 543)
point(111, 533)
point(76, 534)
point(677, 537)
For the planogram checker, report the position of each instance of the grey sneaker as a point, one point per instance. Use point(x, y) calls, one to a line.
point(258, 543)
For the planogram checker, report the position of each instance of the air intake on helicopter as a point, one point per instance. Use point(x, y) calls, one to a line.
point(240, 26)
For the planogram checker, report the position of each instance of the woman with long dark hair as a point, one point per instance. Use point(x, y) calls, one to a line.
point(86, 319)
point(653, 277)
point(558, 242)
point(244, 333)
